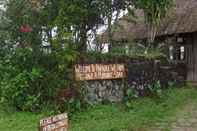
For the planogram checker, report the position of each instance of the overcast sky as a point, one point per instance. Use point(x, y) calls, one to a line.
point(1, 4)
point(103, 28)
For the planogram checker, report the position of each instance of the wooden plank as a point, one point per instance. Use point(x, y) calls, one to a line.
point(84, 72)
point(190, 58)
point(195, 56)
point(54, 123)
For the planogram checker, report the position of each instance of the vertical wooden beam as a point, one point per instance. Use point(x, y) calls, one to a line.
point(195, 56)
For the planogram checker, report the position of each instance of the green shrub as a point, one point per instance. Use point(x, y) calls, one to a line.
point(129, 95)
point(73, 99)
point(30, 90)
point(72, 105)
point(172, 84)
point(155, 89)
point(152, 90)
point(31, 80)
point(125, 51)
point(16, 90)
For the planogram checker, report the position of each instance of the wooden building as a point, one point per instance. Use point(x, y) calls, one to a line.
point(178, 30)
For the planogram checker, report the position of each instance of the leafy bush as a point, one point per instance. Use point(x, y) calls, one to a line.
point(72, 99)
point(172, 84)
point(151, 51)
point(72, 105)
point(131, 94)
point(119, 51)
point(17, 90)
point(155, 89)
point(31, 80)
point(128, 50)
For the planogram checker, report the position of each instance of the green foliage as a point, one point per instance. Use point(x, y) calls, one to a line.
point(152, 90)
point(73, 100)
point(18, 92)
point(130, 95)
point(153, 51)
point(131, 50)
point(171, 84)
point(30, 75)
point(155, 11)
point(73, 105)
point(118, 51)
point(155, 89)
point(142, 116)
point(30, 82)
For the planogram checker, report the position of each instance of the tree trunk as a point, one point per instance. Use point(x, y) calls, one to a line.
point(83, 39)
point(110, 35)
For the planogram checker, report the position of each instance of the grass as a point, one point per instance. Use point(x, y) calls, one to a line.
point(145, 112)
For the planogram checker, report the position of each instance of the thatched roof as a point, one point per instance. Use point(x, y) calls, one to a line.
point(181, 19)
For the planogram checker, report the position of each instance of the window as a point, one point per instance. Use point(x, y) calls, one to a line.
point(177, 52)
point(182, 54)
point(171, 52)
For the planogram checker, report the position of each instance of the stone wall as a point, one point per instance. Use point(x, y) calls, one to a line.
point(105, 90)
point(146, 73)
point(141, 73)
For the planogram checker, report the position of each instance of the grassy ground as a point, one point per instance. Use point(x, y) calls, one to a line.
point(144, 113)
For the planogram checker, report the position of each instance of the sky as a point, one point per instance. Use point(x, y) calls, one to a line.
point(1, 4)
point(102, 29)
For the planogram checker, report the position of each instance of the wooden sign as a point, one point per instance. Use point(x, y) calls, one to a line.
point(55, 123)
point(99, 71)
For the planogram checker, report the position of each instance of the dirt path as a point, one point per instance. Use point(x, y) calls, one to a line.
point(185, 120)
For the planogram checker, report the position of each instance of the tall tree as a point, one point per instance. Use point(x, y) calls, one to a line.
point(155, 11)
point(71, 20)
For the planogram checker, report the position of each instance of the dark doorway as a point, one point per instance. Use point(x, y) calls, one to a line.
point(191, 57)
